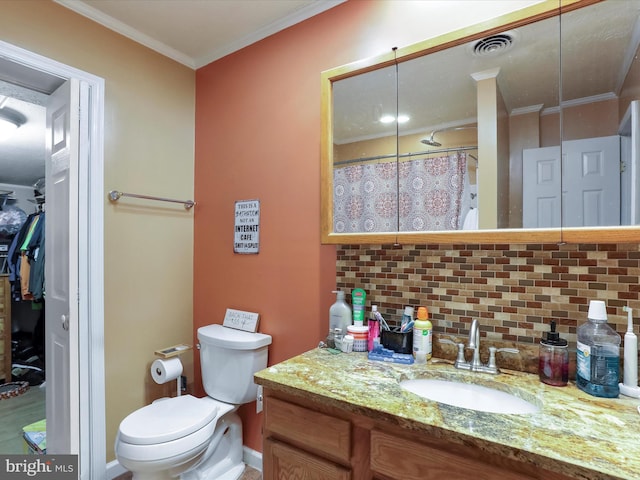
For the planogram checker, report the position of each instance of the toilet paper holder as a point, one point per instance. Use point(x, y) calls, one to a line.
point(170, 352)
point(173, 351)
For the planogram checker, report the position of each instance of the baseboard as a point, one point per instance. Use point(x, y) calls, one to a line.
point(114, 470)
point(252, 458)
point(249, 456)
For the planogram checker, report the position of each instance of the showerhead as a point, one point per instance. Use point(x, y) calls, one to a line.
point(430, 141)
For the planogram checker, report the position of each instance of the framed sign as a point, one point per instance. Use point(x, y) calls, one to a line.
point(247, 227)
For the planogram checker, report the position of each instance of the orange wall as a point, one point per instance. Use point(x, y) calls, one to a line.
point(258, 137)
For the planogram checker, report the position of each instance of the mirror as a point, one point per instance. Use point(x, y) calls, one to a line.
point(460, 138)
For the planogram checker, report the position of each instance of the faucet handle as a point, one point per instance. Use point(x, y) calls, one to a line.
point(460, 360)
point(494, 350)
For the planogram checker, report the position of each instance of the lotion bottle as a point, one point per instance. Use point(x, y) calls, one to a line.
point(339, 314)
point(422, 336)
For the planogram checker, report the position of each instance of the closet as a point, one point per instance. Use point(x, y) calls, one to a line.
point(22, 305)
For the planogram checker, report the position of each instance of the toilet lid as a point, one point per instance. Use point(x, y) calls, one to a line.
point(167, 420)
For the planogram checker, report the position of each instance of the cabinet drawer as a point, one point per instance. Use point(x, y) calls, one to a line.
point(313, 431)
point(396, 457)
point(283, 462)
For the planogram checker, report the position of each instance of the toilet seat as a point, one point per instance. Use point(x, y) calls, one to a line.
point(167, 420)
point(166, 453)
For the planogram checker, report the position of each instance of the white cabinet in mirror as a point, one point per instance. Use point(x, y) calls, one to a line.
point(509, 131)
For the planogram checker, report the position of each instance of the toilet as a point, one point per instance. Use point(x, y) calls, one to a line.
point(198, 438)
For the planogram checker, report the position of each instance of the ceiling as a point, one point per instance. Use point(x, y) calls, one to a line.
point(191, 32)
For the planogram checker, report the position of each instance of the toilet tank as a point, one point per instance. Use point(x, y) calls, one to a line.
point(228, 360)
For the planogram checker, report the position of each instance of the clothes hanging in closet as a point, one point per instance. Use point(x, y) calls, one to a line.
point(26, 260)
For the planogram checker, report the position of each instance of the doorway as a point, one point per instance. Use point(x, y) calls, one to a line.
point(85, 431)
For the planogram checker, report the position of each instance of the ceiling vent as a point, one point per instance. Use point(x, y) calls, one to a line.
point(494, 44)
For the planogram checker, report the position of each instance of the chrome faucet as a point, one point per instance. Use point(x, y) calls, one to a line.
point(474, 344)
point(476, 365)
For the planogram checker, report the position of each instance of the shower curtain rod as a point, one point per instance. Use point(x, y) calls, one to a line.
point(404, 155)
point(114, 196)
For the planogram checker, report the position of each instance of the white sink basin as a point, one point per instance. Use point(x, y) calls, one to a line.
point(469, 395)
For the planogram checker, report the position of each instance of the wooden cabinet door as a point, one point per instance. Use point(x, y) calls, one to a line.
point(402, 459)
point(282, 462)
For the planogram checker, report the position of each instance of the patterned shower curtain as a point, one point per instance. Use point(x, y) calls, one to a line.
point(366, 199)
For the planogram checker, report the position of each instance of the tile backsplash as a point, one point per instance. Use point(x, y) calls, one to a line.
point(513, 290)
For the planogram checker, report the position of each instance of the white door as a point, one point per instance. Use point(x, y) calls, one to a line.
point(61, 269)
point(587, 190)
point(541, 187)
point(591, 182)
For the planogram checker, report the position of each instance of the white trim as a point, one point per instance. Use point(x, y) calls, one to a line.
point(127, 31)
point(486, 74)
point(114, 470)
point(529, 109)
point(122, 28)
point(252, 458)
point(580, 101)
point(300, 15)
point(92, 447)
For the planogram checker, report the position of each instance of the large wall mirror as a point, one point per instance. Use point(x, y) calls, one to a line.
point(521, 129)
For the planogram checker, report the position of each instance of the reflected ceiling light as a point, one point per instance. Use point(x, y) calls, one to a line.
point(391, 118)
point(10, 120)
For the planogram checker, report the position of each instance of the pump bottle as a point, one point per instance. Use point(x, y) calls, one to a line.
point(339, 314)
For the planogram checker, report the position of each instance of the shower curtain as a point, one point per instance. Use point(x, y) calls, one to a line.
point(366, 198)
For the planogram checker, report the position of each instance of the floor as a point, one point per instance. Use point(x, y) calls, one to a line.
point(17, 412)
point(249, 474)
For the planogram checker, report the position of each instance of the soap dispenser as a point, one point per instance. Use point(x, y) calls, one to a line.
point(553, 361)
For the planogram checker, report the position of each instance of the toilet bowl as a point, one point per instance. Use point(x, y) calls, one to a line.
point(197, 438)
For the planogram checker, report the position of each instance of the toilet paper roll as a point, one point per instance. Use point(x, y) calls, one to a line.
point(163, 371)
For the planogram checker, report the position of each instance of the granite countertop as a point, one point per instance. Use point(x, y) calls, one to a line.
point(574, 433)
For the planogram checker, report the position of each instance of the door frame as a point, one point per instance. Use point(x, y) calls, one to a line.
point(90, 297)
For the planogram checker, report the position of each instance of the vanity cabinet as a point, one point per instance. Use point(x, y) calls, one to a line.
point(299, 439)
point(305, 439)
